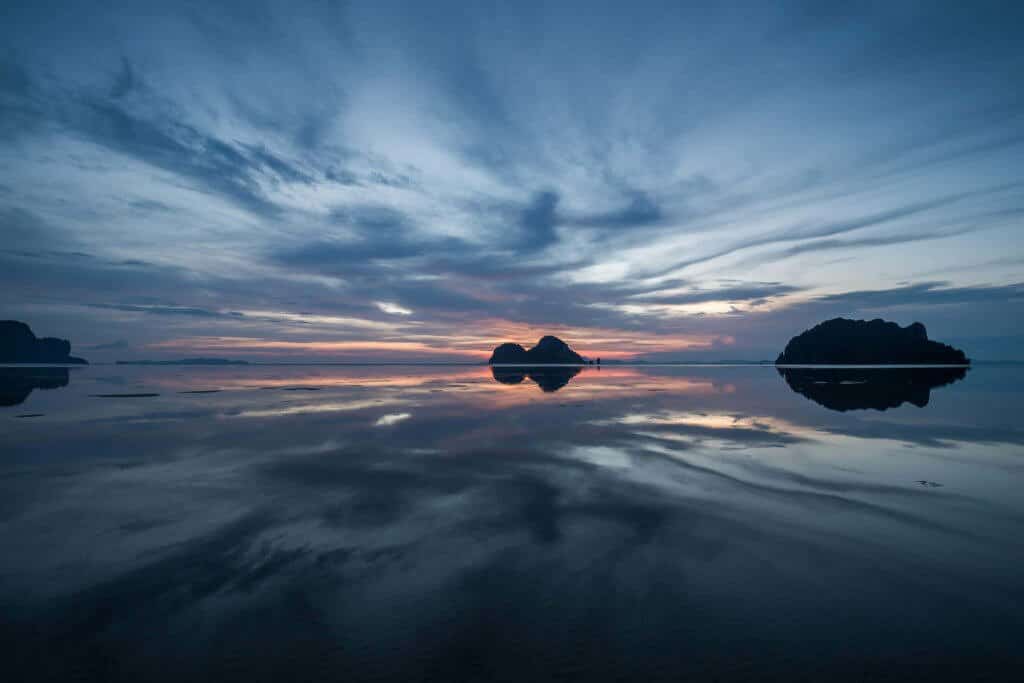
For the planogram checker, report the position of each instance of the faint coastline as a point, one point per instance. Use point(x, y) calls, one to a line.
point(185, 361)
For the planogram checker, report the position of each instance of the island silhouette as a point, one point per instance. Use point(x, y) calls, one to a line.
point(843, 389)
point(841, 341)
point(549, 350)
point(18, 344)
point(545, 363)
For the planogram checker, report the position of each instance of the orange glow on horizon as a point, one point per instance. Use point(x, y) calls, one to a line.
point(590, 342)
point(344, 386)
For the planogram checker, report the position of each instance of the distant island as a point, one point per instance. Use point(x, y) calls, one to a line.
point(185, 361)
point(18, 344)
point(549, 350)
point(868, 342)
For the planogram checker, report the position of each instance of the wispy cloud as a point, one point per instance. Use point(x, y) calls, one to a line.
point(530, 169)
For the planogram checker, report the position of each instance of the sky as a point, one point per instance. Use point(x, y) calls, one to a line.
point(422, 181)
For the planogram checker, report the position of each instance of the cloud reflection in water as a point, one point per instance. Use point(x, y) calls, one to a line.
point(642, 522)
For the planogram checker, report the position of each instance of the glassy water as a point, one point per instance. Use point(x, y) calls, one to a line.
point(454, 524)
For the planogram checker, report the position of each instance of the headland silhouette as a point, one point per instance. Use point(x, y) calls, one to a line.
point(18, 344)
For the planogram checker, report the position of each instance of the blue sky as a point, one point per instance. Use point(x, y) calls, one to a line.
point(424, 180)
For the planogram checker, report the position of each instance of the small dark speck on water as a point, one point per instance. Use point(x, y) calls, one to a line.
point(141, 395)
point(929, 484)
point(31, 415)
point(200, 391)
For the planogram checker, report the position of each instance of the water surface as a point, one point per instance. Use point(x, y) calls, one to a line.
point(453, 524)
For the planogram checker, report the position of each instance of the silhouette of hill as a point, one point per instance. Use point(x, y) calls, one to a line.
point(875, 342)
point(547, 351)
point(18, 344)
point(17, 383)
point(843, 389)
point(549, 379)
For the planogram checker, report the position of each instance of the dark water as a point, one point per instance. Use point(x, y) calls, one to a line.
point(330, 523)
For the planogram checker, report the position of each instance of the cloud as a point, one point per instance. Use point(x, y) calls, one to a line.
point(755, 291)
point(188, 311)
point(392, 308)
point(841, 227)
point(118, 345)
point(539, 219)
point(391, 419)
point(336, 257)
point(641, 210)
point(206, 161)
point(544, 168)
point(125, 82)
point(928, 294)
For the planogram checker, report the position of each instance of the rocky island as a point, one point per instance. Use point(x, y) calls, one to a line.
point(18, 344)
point(868, 342)
point(549, 350)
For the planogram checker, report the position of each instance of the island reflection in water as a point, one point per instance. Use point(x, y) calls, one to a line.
point(863, 388)
point(17, 384)
point(549, 378)
point(272, 523)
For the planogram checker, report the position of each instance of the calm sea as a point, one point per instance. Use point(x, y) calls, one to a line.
point(275, 523)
